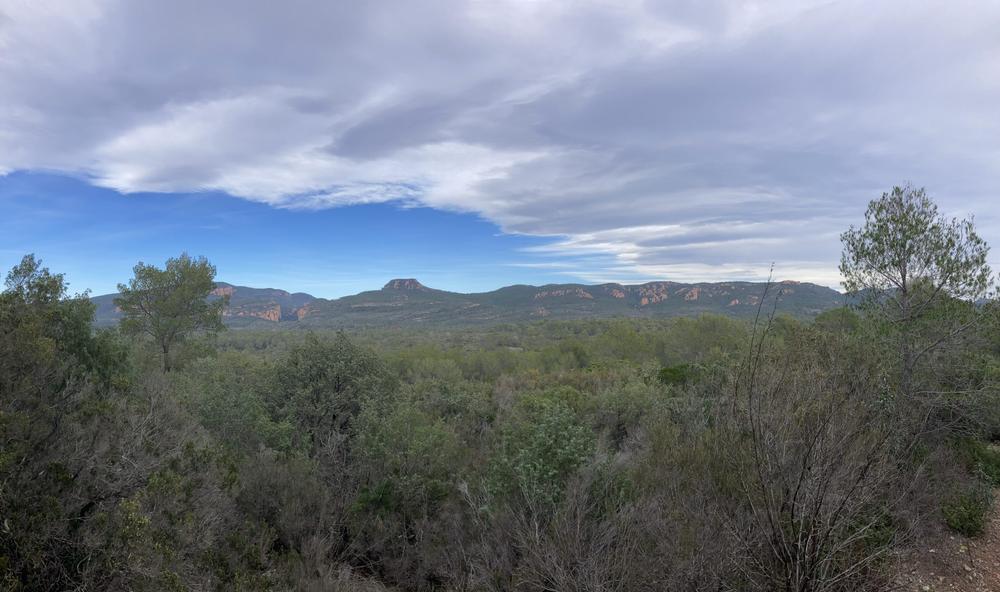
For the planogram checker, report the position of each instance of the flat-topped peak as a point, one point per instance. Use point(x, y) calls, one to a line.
point(404, 284)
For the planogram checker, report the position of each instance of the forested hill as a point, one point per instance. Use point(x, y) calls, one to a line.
point(407, 302)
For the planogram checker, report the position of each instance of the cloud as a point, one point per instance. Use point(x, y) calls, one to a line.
point(689, 139)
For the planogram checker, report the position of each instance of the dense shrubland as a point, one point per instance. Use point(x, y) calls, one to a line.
point(687, 454)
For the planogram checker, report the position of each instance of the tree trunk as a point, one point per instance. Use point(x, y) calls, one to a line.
point(906, 347)
point(906, 377)
point(166, 357)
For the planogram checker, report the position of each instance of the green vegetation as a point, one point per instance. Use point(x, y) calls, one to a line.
point(595, 454)
point(967, 511)
point(923, 275)
point(981, 459)
point(168, 304)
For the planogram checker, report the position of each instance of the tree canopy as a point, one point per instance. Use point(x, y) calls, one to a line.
point(168, 304)
point(908, 261)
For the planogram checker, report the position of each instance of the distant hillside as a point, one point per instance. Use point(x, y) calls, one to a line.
point(246, 305)
point(407, 302)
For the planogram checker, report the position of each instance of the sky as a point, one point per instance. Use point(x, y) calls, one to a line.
point(328, 146)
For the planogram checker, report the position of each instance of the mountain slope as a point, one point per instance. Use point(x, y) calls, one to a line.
point(246, 305)
point(407, 302)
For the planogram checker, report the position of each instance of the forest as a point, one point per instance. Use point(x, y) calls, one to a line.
point(701, 453)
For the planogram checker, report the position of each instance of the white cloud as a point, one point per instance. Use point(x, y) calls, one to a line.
point(684, 139)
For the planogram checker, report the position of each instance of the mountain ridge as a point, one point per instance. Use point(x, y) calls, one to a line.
point(407, 302)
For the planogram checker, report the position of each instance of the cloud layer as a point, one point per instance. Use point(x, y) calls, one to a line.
point(692, 140)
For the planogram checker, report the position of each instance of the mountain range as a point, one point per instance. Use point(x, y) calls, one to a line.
point(408, 303)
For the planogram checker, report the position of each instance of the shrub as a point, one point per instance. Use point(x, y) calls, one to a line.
point(321, 386)
point(680, 374)
point(411, 459)
point(966, 511)
point(982, 459)
point(542, 449)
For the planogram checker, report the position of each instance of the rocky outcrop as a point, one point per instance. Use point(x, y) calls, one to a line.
point(577, 292)
point(270, 312)
point(653, 293)
point(405, 284)
point(221, 291)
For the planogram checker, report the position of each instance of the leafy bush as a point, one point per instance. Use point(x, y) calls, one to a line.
point(966, 512)
point(982, 459)
point(541, 449)
point(322, 386)
point(411, 459)
point(678, 375)
point(228, 395)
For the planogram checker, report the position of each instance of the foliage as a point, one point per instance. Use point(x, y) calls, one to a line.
point(615, 454)
point(810, 455)
point(82, 439)
point(981, 459)
point(411, 460)
point(321, 387)
point(229, 395)
point(676, 375)
point(918, 272)
point(905, 241)
point(168, 304)
point(966, 512)
point(542, 447)
point(844, 320)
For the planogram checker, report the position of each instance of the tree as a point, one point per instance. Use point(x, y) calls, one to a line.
point(322, 385)
point(912, 264)
point(40, 322)
point(68, 453)
point(168, 304)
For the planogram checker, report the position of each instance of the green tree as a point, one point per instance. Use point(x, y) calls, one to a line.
point(411, 459)
point(541, 448)
point(920, 272)
point(228, 393)
point(838, 320)
point(168, 304)
point(68, 453)
point(321, 387)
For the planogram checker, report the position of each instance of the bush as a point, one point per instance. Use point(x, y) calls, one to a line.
point(966, 512)
point(411, 459)
point(680, 374)
point(542, 449)
point(321, 387)
point(982, 459)
point(228, 394)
